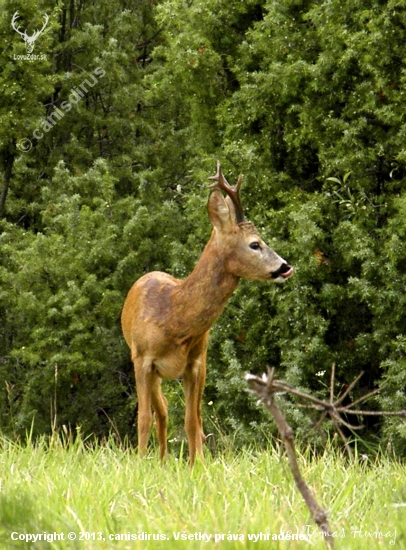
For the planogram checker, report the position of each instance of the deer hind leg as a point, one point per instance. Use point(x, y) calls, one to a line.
point(160, 406)
point(143, 379)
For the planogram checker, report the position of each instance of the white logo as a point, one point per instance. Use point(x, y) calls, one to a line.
point(29, 40)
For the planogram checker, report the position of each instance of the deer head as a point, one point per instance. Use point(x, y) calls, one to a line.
point(29, 40)
point(246, 253)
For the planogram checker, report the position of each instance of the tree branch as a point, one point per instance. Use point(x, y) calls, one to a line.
point(332, 407)
point(8, 161)
point(264, 389)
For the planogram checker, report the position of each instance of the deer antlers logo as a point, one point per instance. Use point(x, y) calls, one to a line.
point(29, 40)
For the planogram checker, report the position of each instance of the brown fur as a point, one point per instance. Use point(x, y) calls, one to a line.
point(166, 321)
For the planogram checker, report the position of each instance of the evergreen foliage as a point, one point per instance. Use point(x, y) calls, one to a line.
point(305, 98)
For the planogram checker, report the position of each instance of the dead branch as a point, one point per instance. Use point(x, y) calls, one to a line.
point(265, 388)
point(334, 408)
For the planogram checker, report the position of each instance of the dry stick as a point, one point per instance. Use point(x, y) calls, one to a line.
point(265, 389)
point(347, 391)
point(345, 440)
point(364, 397)
point(332, 407)
point(332, 377)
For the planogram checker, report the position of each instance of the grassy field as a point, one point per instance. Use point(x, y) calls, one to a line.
point(97, 496)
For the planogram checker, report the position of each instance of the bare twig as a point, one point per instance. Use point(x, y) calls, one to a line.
point(264, 388)
point(346, 444)
point(333, 373)
point(333, 408)
point(365, 397)
point(347, 391)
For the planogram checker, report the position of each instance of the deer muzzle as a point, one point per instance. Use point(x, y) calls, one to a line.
point(282, 273)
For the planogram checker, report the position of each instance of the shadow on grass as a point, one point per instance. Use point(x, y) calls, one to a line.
point(19, 515)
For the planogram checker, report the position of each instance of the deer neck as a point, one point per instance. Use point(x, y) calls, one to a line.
point(201, 297)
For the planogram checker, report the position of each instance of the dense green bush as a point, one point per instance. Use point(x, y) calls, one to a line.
point(306, 99)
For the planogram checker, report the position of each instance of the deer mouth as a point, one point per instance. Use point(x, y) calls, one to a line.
point(282, 273)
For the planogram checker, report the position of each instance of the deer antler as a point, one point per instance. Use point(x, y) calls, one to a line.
point(15, 17)
point(232, 192)
point(37, 33)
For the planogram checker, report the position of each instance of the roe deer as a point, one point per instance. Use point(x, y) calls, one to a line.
point(166, 321)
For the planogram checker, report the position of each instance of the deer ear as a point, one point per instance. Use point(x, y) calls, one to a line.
point(231, 207)
point(220, 214)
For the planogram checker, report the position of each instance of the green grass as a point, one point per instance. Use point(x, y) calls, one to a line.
point(55, 487)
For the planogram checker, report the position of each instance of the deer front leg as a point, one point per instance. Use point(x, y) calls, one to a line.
point(201, 382)
point(193, 381)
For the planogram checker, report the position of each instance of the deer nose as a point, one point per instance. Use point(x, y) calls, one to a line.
point(284, 271)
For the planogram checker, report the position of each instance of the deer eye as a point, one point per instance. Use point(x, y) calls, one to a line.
point(255, 245)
